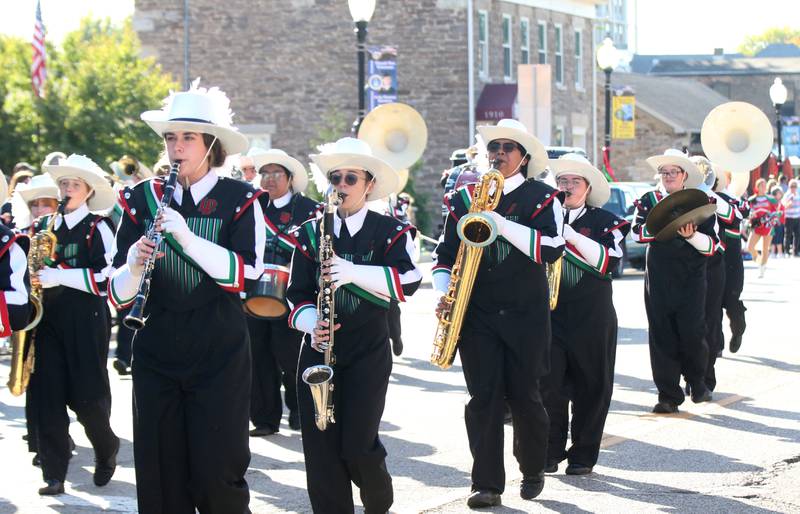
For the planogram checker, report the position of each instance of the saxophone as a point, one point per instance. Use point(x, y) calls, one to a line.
point(320, 377)
point(42, 251)
point(476, 231)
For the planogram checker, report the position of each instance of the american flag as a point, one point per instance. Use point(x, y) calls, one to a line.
point(39, 67)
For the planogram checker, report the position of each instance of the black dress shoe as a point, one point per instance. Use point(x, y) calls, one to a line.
point(578, 469)
point(397, 347)
point(507, 416)
point(551, 467)
point(294, 420)
point(52, 488)
point(665, 408)
point(122, 367)
point(263, 431)
point(483, 498)
point(701, 396)
point(104, 469)
point(531, 486)
point(37, 461)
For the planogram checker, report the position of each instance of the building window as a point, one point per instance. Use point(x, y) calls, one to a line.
point(525, 41)
point(559, 52)
point(507, 47)
point(483, 46)
point(578, 60)
point(558, 137)
point(542, 42)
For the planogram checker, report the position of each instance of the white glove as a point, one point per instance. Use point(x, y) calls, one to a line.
point(173, 223)
point(498, 220)
point(569, 233)
point(342, 271)
point(134, 267)
point(49, 277)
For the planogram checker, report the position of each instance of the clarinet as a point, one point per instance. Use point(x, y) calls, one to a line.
point(135, 319)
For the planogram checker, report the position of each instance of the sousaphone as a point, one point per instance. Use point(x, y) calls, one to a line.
point(396, 133)
point(737, 136)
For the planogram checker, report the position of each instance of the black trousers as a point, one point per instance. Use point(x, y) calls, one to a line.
point(582, 372)
point(792, 236)
point(71, 372)
point(124, 338)
point(734, 280)
point(395, 327)
point(275, 349)
point(191, 385)
point(675, 307)
point(498, 369)
point(715, 288)
point(349, 451)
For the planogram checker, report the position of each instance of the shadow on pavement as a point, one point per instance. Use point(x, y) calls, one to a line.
point(635, 455)
point(627, 336)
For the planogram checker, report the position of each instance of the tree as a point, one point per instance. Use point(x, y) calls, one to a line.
point(97, 86)
point(754, 44)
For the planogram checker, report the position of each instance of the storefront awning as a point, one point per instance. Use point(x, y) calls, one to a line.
point(496, 102)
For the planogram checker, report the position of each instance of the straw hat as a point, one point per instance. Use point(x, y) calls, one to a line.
point(350, 152)
point(82, 167)
point(577, 164)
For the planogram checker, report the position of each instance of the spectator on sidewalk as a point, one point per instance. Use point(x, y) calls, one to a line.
point(780, 221)
point(791, 202)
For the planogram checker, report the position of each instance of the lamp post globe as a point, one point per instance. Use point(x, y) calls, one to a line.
point(361, 11)
point(778, 94)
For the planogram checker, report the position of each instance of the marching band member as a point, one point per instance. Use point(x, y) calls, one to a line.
point(675, 284)
point(762, 218)
point(734, 267)
point(372, 265)
point(21, 174)
point(248, 167)
point(502, 357)
point(584, 321)
point(191, 360)
point(72, 337)
point(275, 346)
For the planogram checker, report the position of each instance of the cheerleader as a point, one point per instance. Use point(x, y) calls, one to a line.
point(372, 266)
point(72, 337)
point(762, 218)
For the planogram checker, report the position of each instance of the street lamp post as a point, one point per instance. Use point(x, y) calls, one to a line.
point(607, 58)
point(361, 12)
point(778, 93)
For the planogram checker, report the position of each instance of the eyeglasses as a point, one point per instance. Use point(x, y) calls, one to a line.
point(565, 182)
point(670, 173)
point(495, 147)
point(350, 179)
point(273, 175)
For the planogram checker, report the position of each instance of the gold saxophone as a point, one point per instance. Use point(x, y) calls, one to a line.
point(320, 377)
point(43, 248)
point(554, 281)
point(476, 230)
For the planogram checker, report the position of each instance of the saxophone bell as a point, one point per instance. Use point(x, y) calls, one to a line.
point(318, 379)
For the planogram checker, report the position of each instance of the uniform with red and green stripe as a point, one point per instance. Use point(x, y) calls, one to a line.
point(225, 216)
point(14, 281)
point(732, 228)
point(281, 222)
point(84, 247)
point(381, 241)
point(607, 231)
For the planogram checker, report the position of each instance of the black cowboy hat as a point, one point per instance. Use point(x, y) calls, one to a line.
point(676, 210)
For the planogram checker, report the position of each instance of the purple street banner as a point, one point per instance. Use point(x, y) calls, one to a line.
point(381, 75)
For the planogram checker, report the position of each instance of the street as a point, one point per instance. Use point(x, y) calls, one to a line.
point(739, 453)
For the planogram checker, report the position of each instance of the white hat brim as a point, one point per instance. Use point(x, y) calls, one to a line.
point(693, 175)
point(3, 188)
point(232, 140)
point(386, 178)
point(601, 189)
point(103, 197)
point(538, 155)
point(295, 167)
point(30, 194)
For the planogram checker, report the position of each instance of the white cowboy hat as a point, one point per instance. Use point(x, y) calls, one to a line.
point(3, 188)
point(516, 131)
point(694, 177)
point(263, 157)
point(350, 152)
point(40, 186)
point(577, 164)
point(82, 167)
point(204, 110)
point(53, 158)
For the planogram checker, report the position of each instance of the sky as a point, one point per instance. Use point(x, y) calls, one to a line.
point(657, 26)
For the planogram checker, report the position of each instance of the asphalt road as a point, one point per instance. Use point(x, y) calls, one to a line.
point(738, 453)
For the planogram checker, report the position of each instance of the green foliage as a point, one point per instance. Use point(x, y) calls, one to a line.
point(754, 44)
point(422, 215)
point(97, 86)
point(332, 126)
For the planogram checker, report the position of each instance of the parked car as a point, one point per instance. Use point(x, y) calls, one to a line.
point(623, 194)
point(554, 152)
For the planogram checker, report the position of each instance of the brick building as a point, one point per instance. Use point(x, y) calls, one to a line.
point(289, 66)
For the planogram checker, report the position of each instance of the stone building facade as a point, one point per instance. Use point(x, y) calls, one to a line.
point(290, 66)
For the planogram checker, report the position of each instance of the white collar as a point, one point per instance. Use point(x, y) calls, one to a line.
point(354, 222)
point(575, 213)
point(512, 182)
point(74, 217)
point(283, 200)
point(200, 188)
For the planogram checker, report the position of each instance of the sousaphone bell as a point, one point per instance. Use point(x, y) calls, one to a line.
point(396, 133)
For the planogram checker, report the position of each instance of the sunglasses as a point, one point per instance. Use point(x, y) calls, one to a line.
point(350, 179)
point(495, 147)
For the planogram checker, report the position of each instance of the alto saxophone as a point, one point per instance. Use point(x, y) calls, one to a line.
point(476, 231)
point(320, 377)
point(42, 251)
